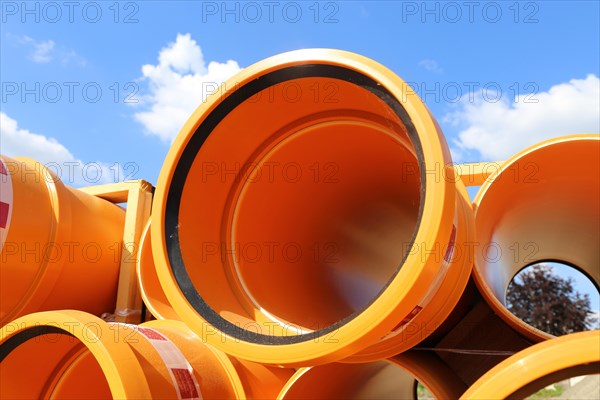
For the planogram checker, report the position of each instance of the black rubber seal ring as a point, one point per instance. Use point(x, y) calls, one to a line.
point(19, 338)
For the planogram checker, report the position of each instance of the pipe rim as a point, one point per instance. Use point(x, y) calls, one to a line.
point(239, 343)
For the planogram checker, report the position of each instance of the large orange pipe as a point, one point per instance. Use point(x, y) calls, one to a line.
point(60, 247)
point(71, 354)
point(540, 365)
point(309, 209)
point(543, 204)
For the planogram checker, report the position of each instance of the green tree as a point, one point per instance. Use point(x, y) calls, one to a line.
point(548, 302)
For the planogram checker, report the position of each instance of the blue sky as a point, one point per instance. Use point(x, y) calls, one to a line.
point(73, 88)
point(446, 49)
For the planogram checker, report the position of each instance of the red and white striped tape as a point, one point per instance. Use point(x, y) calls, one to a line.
point(182, 373)
point(6, 202)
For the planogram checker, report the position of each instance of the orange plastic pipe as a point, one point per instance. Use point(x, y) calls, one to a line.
point(71, 354)
point(540, 365)
point(475, 174)
point(543, 204)
point(59, 247)
point(308, 209)
point(395, 378)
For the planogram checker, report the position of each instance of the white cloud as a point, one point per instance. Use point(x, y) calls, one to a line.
point(178, 84)
point(431, 66)
point(18, 142)
point(42, 51)
point(497, 130)
point(71, 57)
point(46, 51)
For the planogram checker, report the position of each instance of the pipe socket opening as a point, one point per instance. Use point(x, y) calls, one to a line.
point(300, 216)
point(52, 366)
point(543, 205)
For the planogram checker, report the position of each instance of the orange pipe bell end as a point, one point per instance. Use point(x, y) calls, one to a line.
point(330, 224)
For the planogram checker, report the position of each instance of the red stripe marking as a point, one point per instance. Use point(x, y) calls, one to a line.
point(409, 317)
point(451, 244)
point(151, 334)
point(185, 381)
point(4, 207)
point(2, 169)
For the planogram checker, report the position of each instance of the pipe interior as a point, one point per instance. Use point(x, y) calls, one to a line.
point(302, 215)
